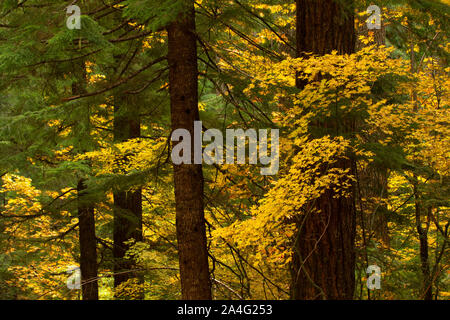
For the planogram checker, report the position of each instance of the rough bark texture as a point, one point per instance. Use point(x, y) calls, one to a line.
point(88, 246)
point(188, 178)
point(127, 203)
point(324, 26)
point(324, 257)
point(379, 35)
point(87, 239)
point(373, 182)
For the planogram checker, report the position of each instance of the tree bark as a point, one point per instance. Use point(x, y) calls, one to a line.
point(374, 178)
point(379, 35)
point(127, 203)
point(323, 264)
point(88, 245)
point(86, 216)
point(427, 290)
point(188, 178)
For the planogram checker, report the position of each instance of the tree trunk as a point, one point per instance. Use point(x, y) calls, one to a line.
point(127, 203)
point(323, 264)
point(86, 217)
point(379, 35)
point(374, 178)
point(88, 246)
point(427, 290)
point(188, 178)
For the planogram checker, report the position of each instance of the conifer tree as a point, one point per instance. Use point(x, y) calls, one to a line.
point(188, 178)
point(324, 256)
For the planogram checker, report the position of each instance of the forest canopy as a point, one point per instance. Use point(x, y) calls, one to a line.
point(312, 139)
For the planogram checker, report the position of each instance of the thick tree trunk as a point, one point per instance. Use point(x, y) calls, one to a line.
point(379, 35)
point(86, 217)
point(188, 178)
point(88, 246)
point(373, 183)
point(324, 26)
point(127, 226)
point(127, 203)
point(323, 264)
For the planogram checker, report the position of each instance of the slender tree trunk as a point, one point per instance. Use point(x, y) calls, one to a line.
point(323, 264)
point(86, 217)
point(427, 290)
point(374, 179)
point(127, 203)
point(188, 178)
